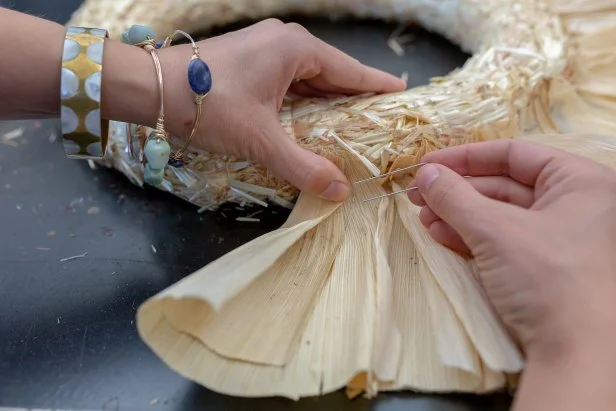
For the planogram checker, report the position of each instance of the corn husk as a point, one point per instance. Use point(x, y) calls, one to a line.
point(358, 295)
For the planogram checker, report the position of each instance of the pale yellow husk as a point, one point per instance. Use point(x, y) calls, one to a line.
point(358, 294)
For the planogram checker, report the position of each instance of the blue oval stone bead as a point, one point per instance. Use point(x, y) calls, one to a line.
point(199, 76)
point(159, 44)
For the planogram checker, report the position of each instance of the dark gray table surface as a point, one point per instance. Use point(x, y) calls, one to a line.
point(67, 333)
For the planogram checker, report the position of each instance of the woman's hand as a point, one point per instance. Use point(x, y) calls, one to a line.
point(252, 70)
point(541, 225)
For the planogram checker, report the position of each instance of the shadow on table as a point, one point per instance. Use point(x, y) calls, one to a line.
point(200, 397)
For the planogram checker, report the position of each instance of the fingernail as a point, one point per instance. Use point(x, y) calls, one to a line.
point(426, 176)
point(336, 191)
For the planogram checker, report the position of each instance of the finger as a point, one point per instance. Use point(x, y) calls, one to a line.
point(348, 76)
point(452, 198)
point(415, 195)
point(427, 216)
point(523, 161)
point(329, 85)
point(333, 71)
point(495, 187)
point(302, 168)
point(304, 89)
point(504, 189)
point(444, 234)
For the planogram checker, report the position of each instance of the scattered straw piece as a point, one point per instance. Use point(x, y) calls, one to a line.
point(395, 46)
point(255, 213)
point(74, 257)
point(94, 210)
point(153, 248)
point(248, 219)
point(14, 134)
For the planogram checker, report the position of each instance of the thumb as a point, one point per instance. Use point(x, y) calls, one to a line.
point(450, 197)
point(304, 169)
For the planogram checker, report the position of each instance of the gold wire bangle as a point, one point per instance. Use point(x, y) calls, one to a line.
point(178, 155)
point(199, 95)
point(159, 130)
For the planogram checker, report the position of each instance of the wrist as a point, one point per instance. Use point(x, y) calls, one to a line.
point(130, 91)
point(129, 87)
point(180, 105)
point(579, 325)
point(579, 376)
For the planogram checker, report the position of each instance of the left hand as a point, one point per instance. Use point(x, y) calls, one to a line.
point(252, 70)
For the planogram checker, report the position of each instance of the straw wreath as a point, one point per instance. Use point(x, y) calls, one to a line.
point(357, 295)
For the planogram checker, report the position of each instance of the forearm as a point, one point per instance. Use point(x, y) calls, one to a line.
point(31, 51)
point(578, 378)
point(30, 73)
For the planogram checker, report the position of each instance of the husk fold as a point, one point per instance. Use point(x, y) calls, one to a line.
point(358, 294)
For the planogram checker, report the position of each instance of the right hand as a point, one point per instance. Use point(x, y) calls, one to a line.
point(541, 226)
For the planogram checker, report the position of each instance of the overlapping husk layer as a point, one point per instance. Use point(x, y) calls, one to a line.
point(357, 294)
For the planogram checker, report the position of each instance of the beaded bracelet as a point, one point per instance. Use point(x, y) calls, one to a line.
point(156, 150)
point(85, 134)
point(199, 79)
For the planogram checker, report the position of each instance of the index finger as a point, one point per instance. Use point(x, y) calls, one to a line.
point(522, 161)
point(340, 73)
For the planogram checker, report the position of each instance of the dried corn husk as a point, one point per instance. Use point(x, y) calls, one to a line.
point(358, 295)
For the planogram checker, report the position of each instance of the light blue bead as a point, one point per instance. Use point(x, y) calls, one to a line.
point(157, 153)
point(153, 177)
point(125, 37)
point(139, 33)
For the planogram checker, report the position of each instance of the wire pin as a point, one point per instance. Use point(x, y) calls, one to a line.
point(388, 174)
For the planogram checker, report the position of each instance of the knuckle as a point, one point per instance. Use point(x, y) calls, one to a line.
point(297, 29)
point(314, 178)
point(441, 193)
point(271, 23)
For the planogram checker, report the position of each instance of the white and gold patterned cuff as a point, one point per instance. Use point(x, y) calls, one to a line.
point(85, 133)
